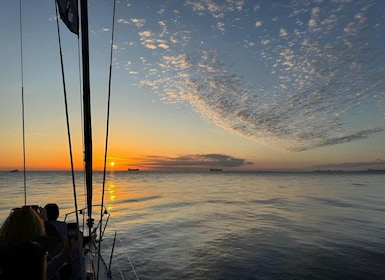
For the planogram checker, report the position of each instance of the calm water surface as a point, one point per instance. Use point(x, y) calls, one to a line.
point(229, 225)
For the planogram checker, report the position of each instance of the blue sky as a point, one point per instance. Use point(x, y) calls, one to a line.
point(197, 84)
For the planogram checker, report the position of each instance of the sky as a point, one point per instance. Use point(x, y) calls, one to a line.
point(198, 84)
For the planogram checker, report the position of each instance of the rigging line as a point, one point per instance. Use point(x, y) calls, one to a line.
point(67, 116)
point(107, 124)
point(22, 102)
point(125, 253)
point(82, 123)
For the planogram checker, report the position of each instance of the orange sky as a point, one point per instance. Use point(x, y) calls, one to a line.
point(234, 96)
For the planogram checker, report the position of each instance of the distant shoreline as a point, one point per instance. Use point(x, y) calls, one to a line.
point(369, 171)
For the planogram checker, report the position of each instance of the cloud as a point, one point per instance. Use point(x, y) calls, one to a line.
point(150, 46)
point(324, 65)
point(163, 46)
point(122, 20)
point(378, 164)
point(214, 9)
point(138, 22)
point(191, 162)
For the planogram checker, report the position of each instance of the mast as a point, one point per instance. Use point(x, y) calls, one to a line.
point(86, 108)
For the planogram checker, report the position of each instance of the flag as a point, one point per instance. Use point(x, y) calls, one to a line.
point(68, 10)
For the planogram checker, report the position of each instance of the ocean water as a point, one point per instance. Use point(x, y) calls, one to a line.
point(229, 225)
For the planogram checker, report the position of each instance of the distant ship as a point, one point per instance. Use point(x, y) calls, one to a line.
point(215, 169)
point(133, 169)
point(15, 170)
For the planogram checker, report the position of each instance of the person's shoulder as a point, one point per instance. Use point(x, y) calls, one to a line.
point(61, 227)
point(61, 224)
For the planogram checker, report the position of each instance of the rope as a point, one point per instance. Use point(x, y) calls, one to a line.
point(82, 126)
point(107, 125)
point(108, 107)
point(129, 260)
point(67, 117)
point(125, 254)
point(22, 102)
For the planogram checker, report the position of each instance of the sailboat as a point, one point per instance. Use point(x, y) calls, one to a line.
point(95, 265)
point(93, 228)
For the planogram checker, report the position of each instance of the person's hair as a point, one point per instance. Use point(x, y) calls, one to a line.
point(52, 211)
point(25, 260)
point(22, 224)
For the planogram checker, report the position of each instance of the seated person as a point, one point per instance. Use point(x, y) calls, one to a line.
point(25, 260)
point(56, 231)
point(24, 225)
point(52, 210)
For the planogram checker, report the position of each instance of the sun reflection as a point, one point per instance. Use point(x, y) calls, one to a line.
point(111, 191)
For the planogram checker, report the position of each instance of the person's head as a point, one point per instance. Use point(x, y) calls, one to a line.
point(22, 224)
point(52, 211)
point(25, 260)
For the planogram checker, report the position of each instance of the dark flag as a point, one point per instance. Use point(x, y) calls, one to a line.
point(68, 10)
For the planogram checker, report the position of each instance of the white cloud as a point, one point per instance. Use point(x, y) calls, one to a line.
point(122, 20)
point(138, 22)
point(323, 73)
point(258, 23)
